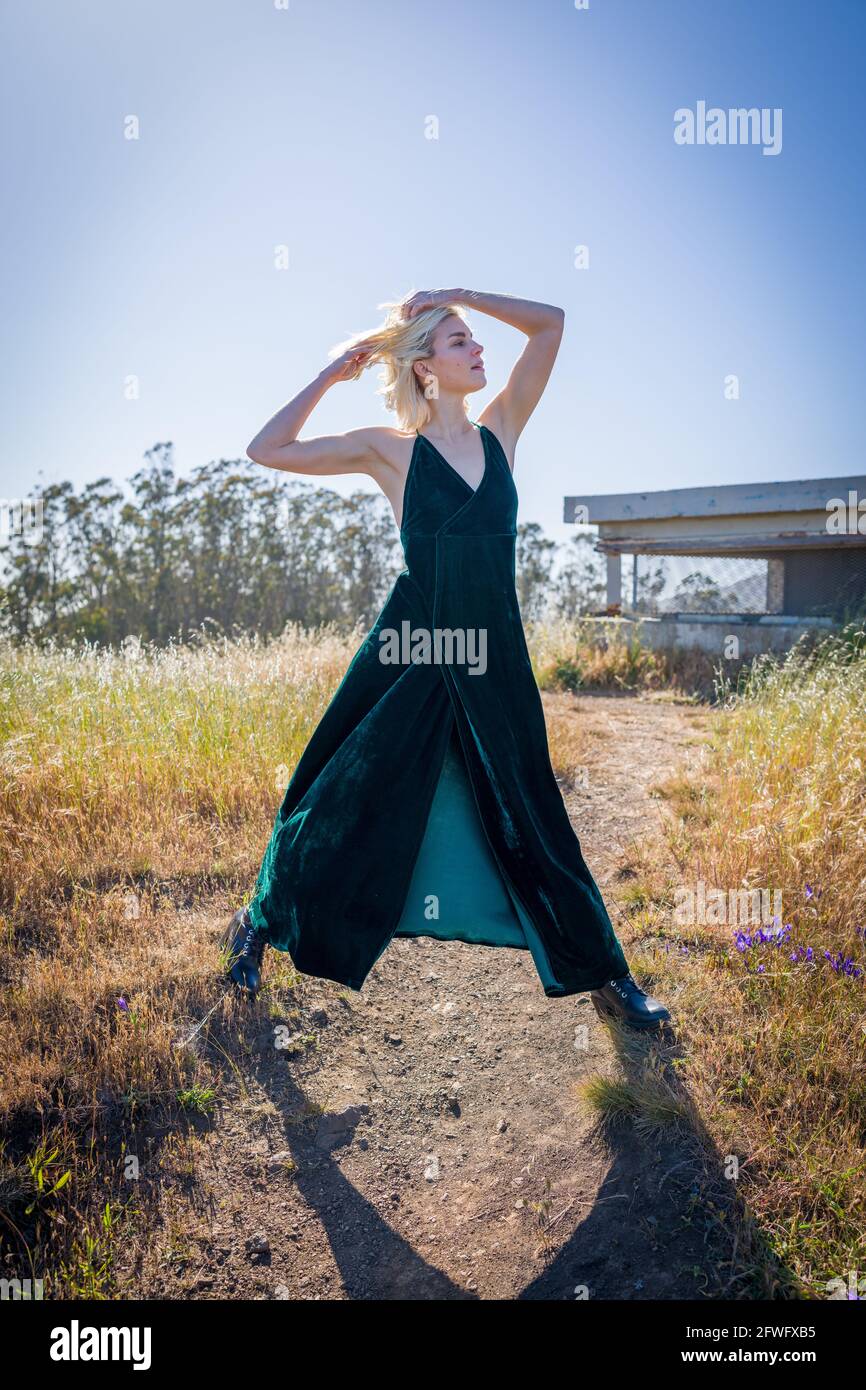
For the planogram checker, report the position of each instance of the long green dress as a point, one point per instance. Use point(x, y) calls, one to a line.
point(424, 804)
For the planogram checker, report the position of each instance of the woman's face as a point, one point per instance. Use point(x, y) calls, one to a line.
point(456, 362)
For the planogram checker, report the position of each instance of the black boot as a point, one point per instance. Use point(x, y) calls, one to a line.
point(246, 945)
point(624, 1000)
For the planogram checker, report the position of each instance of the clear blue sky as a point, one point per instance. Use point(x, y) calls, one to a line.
point(306, 126)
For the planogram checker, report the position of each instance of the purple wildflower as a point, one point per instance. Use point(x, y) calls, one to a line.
point(778, 935)
point(843, 967)
point(802, 953)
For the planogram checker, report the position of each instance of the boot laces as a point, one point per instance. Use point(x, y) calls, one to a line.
point(253, 944)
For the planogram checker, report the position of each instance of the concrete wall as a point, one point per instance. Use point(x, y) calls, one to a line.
point(712, 633)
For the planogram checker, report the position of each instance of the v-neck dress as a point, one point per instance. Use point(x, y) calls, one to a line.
point(425, 804)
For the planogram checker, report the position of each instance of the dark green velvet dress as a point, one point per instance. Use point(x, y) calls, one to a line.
point(424, 803)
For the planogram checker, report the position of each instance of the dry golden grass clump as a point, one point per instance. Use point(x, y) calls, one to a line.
point(576, 654)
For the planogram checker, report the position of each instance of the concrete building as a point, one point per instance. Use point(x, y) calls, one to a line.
point(762, 561)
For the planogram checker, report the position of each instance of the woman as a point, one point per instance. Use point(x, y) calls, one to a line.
point(425, 803)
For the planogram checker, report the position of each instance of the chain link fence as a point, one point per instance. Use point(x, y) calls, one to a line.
point(653, 585)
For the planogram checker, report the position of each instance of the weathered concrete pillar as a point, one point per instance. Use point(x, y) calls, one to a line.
point(776, 585)
point(614, 579)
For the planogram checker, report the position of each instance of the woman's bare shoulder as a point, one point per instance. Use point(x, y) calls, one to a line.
point(393, 450)
point(492, 419)
point(389, 440)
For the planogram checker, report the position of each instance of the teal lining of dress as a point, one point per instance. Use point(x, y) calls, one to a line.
point(456, 876)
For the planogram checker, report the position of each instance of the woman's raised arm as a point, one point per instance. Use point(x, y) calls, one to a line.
point(277, 446)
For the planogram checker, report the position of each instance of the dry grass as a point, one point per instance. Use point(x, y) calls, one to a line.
point(133, 785)
point(132, 760)
point(136, 786)
point(771, 1018)
point(581, 655)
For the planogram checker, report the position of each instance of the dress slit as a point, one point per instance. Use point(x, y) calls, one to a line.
point(457, 891)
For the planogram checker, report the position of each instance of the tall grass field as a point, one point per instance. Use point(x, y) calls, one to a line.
point(138, 788)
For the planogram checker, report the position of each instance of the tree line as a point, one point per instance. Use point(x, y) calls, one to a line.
point(231, 549)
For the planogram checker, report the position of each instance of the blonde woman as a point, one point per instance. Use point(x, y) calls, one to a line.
point(425, 803)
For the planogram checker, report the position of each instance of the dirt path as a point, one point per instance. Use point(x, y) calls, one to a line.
point(449, 1100)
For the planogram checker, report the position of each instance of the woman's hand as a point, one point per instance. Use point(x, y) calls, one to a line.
point(429, 299)
point(350, 364)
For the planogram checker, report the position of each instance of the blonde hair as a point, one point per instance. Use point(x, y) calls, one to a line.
point(397, 344)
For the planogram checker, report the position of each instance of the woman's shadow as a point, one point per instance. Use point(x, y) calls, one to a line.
point(656, 1229)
